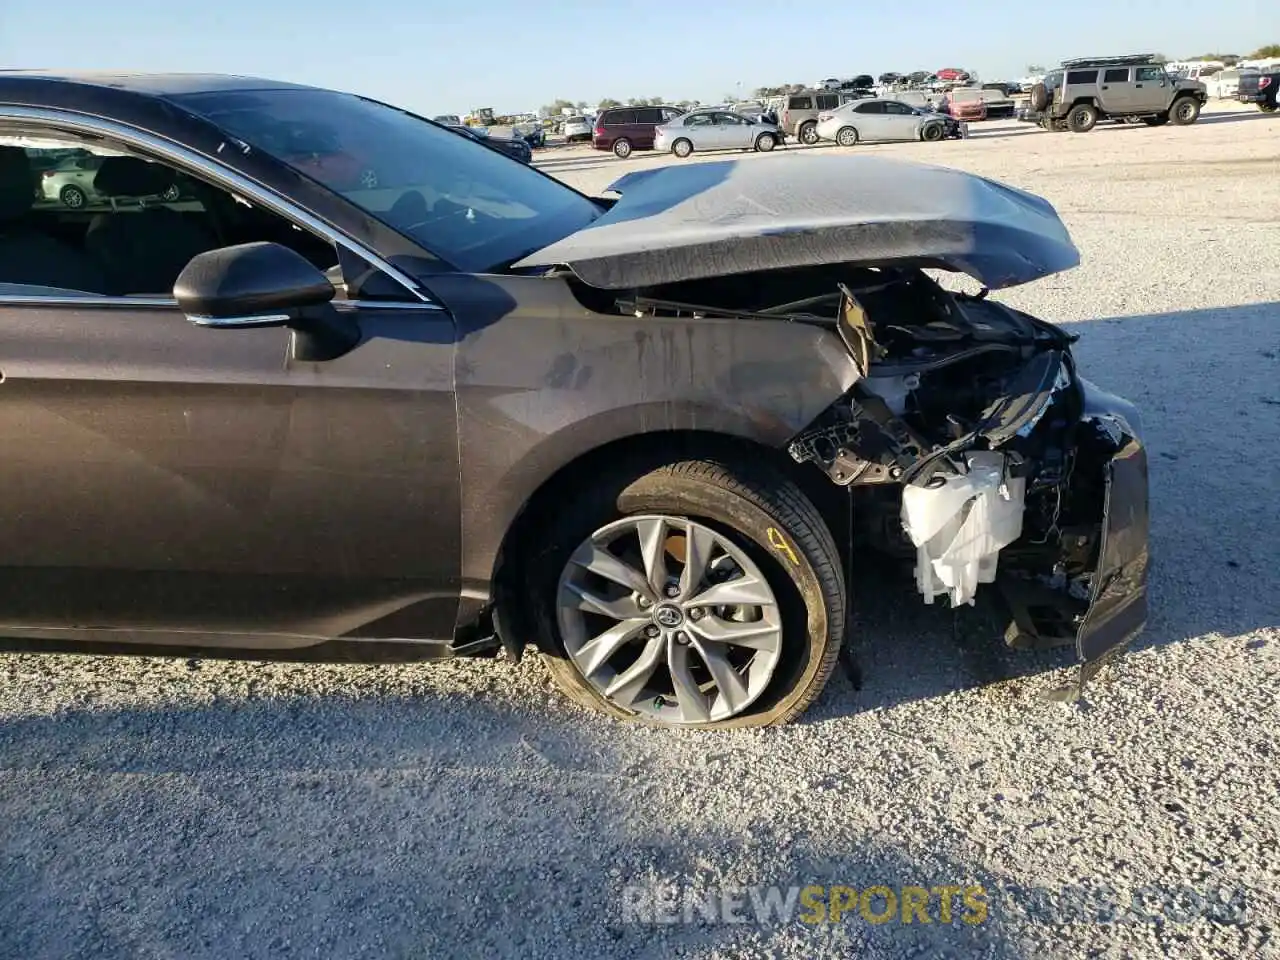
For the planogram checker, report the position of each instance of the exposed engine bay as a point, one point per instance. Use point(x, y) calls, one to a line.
point(970, 424)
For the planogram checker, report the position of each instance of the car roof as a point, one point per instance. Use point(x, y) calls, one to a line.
point(145, 84)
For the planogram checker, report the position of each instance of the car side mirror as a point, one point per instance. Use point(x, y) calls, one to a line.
point(250, 285)
point(266, 285)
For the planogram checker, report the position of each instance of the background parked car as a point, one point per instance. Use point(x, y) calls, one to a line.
point(517, 148)
point(71, 183)
point(880, 119)
point(965, 103)
point(1260, 88)
point(799, 117)
point(715, 130)
point(999, 104)
point(577, 128)
point(449, 119)
point(624, 129)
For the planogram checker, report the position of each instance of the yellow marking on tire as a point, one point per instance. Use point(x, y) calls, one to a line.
point(779, 543)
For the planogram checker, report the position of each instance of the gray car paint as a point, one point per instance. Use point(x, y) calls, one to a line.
point(712, 219)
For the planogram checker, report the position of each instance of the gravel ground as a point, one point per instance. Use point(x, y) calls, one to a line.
point(169, 808)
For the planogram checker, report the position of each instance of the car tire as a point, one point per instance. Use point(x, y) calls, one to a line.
point(682, 147)
point(847, 137)
point(72, 197)
point(808, 133)
point(1268, 107)
point(765, 142)
point(1039, 97)
point(932, 132)
point(1082, 118)
point(786, 553)
point(622, 148)
point(1184, 112)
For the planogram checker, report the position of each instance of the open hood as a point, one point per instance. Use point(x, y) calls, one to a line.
point(702, 220)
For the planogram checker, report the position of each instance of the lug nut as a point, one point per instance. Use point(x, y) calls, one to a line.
point(651, 630)
point(696, 613)
point(645, 602)
point(673, 590)
point(682, 638)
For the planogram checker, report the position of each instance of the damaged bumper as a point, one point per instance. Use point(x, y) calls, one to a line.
point(1013, 470)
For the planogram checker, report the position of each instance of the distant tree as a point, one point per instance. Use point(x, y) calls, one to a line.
point(582, 105)
point(1228, 58)
point(556, 108)
point(1266, 52)
point(608, 102)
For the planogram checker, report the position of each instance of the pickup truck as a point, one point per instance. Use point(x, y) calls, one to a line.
point(1259, 87)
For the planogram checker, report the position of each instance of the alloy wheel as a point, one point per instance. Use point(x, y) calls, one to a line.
point(668, 618)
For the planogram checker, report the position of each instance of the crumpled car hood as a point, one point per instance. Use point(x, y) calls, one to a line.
point(713, 219)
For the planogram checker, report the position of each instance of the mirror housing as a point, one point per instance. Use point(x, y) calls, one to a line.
point(267, 285)
point(250, 285)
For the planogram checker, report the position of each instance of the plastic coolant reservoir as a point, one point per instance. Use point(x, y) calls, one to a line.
point(960, 527)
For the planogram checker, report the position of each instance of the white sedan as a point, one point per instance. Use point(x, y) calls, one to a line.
point(883, 119)
point(715, 130)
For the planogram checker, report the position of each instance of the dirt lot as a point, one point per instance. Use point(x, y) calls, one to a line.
point(153, 808)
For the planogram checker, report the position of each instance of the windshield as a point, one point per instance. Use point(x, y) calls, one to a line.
point(470, 205)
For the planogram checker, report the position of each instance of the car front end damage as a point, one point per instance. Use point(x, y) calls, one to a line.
point(987, 457)
point(1013, 469)
point(968, 440)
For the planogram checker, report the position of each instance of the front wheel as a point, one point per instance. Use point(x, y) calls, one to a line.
point(696, 595)
point(847, 137)
point(932, 132)
point(622, 148)
point(682, 148)
point(809, 133)
point(1185, 111)
point(765, 142)
point(1268, 107)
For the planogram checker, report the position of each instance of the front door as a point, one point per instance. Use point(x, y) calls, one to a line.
point(172, 483)
point(1150, 89)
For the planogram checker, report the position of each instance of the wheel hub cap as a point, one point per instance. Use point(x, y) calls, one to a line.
point(668, 618)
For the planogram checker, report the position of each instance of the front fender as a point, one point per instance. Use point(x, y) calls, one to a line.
point(543, 380)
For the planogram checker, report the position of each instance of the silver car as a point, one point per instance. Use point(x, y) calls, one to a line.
point(715, 130)
point(884, 119)
point(71, 183)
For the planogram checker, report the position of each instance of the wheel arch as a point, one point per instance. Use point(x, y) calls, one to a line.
point(635, 453)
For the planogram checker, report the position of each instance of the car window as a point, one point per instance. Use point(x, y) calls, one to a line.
point(649, 115)
point(1082, 76)
point(114, 223)
point(898, 108)
point(872, 106)
point(1120, 75)
point(828, 101)
point(698, 120)
point(731, 120)
point(1149, 73)
point(670, 113)
point(473, 206)
point(800, 103)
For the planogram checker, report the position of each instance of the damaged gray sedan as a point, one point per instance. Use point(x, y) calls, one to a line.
point(403, 397)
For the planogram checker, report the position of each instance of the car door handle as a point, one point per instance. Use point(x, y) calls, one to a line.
point(1105, 87)
point(1138, 85)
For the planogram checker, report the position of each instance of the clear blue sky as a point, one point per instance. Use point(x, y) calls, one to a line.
point(434, 56)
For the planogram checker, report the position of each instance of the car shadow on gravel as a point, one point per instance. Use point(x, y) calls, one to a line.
point(1207, 383)
point(424, 825)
